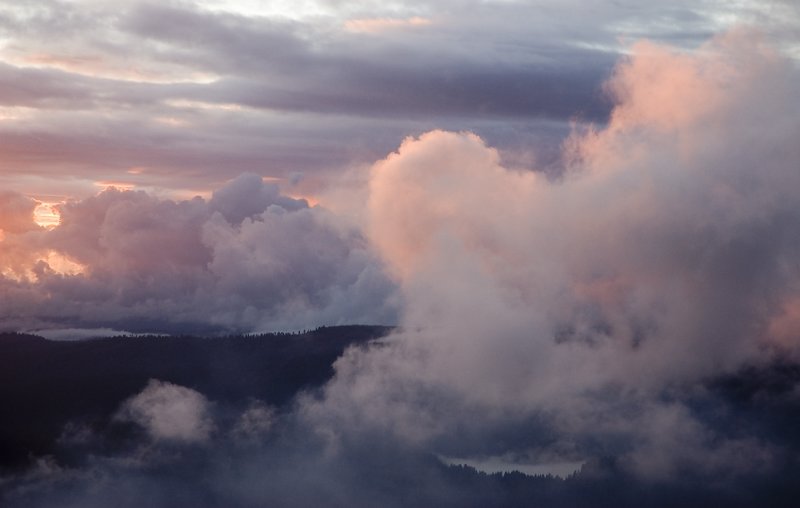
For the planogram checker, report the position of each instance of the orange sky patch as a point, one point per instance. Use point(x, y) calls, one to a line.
point(108, 184)
point(377, 25)
point(46, 215)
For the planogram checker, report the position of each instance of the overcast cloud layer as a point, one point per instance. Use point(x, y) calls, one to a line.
point(182, 96)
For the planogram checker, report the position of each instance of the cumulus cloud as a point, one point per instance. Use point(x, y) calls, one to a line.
point(662, 257)
point(18, 232)
point(16, 212)
point(170, 412)
point(248, 259)
point(247, 196)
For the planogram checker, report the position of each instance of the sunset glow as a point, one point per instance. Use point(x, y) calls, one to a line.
point(112, 184)
point(376, 25)
point(46, 215)
point(62, 265)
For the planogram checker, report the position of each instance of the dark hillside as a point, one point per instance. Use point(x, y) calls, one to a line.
point(46, 384)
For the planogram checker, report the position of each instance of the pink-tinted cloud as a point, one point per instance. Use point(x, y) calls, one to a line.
point(16, 212)
point(248, 259)
point(662, 257)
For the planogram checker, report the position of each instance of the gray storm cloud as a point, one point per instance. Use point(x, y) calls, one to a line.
point(664, 255)
point(248, 259)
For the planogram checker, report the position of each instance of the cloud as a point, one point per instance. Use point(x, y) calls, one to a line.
point(248, 259)
point(660, 259)
point(17, 228)
point(300, 106)
point(255, 422)
point(169, 412)
point(187, 91)
point(247, 196)
point(16, 212)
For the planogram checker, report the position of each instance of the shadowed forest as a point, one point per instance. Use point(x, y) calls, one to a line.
point(62, 420)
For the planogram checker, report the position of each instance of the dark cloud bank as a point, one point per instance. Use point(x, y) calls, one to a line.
point(639, 313)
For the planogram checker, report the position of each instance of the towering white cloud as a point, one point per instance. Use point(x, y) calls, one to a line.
point(664, 255)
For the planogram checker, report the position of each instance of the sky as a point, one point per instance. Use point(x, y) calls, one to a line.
point(576, 212)
point(179, 97)
point(134, 128)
